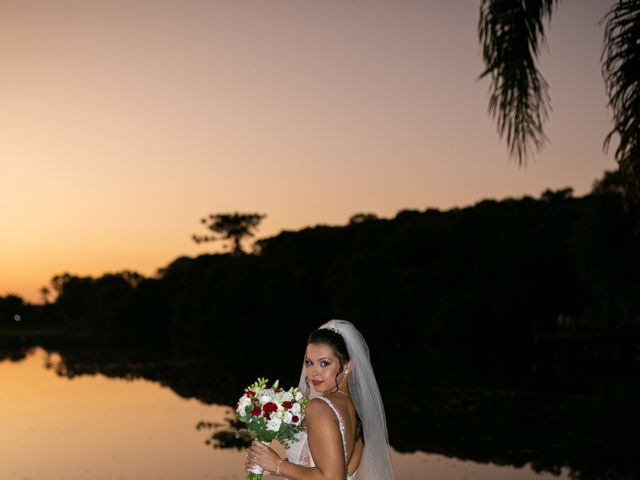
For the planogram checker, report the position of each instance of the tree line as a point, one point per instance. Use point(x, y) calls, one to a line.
point(493, 272)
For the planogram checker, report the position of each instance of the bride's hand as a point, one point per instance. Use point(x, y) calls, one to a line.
point(260, 454)
point(248, 464)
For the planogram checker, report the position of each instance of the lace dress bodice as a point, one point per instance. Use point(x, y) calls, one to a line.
point(298, 451)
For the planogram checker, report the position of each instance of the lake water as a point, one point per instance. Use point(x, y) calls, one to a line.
point(56, 426)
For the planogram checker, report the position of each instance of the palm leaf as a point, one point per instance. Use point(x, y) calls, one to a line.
point(621, 72)
point(511, 33)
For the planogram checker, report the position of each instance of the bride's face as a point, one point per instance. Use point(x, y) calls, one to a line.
point(322, 366)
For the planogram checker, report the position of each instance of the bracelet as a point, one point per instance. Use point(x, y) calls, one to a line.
point(278, 467)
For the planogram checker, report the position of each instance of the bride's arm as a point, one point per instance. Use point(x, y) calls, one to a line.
point(325, 444)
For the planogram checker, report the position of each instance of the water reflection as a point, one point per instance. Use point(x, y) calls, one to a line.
point(117, 408)
point(225, 435)
point(94, 427)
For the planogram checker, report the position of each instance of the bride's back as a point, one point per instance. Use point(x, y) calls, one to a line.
point(352, 429)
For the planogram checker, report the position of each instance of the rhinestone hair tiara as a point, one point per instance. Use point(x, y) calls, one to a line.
point(333, 329)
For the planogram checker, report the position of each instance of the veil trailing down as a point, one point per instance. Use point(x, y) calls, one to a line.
point(375, 463)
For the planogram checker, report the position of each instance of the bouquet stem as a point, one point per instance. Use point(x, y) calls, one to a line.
point(255, 472)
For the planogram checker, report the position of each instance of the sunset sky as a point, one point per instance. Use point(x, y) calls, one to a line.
point(125, 121)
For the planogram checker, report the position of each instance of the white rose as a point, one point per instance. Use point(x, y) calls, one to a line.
point(287, 397)
point(264, 399)
point(295, 409)
point(274, 424)
point(287, 418)
point(244, 401)
point(298, 396)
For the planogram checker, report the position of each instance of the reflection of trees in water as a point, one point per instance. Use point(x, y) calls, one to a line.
point(593, 439)
point(585, 433)
point(456, 404)
point(225, 435)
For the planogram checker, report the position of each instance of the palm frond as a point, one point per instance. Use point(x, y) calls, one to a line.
point(621, 72)
point(511, 33)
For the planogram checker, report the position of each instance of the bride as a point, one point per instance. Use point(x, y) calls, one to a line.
point(346, 432)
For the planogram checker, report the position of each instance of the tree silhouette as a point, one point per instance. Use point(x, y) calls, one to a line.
point(611, 183)
point(230, 226)
point(44, 293)
point(362, 218)
point(557, 195)
point(511, 32)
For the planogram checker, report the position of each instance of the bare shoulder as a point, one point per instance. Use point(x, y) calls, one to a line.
point(337, 399)
point(318, 409)
point(317, 406)
point(343, 404)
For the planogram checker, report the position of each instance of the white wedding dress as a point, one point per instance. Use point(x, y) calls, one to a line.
point(299, 453)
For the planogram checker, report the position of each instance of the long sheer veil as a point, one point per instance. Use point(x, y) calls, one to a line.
point(375, 463)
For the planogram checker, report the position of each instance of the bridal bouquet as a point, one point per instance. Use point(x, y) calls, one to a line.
point(270, 413)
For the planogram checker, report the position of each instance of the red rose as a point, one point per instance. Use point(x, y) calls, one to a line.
point(250, 394)
point(287, 405)
point(255, 411)
point(270, 407)
point(295, 419)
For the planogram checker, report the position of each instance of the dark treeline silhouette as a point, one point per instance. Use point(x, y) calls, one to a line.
point(495, 273)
